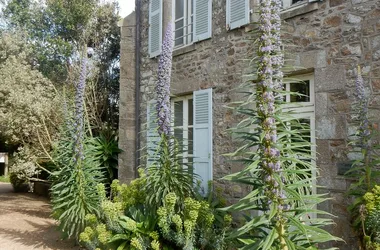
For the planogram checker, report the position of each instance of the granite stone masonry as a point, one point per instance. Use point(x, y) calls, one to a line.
point(325, 39)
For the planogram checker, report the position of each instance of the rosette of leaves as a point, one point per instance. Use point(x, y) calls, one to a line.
point(278, 164)
point(169, 174)
point(105, 148)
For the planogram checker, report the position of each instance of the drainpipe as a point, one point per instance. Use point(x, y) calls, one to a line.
point(137, 79)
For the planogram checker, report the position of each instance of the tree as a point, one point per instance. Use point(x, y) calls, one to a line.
point(56, 29)
point(28, 100)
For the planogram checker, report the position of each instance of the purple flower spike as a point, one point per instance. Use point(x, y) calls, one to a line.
point(163, 83)
point(362, 100)
point(270, 82)
point(79, 112)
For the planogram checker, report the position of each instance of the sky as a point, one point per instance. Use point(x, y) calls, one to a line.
point(126, 7)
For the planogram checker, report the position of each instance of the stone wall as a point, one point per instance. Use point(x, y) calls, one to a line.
point(328, 38)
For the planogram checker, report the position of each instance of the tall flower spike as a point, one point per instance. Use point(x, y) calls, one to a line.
point(163, 82)
point(79, 112)
point(270, 76)
point(362, 111)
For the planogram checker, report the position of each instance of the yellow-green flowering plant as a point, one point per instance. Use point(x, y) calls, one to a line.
point(193, 227)
point(371, 218)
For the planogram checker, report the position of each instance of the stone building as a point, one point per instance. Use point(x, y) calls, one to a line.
point(326, 39)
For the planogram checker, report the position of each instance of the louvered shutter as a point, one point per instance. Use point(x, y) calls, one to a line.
point(237, 12)
point(155, 27)
point(202, 19)
point(152, 133)
point(203, 136)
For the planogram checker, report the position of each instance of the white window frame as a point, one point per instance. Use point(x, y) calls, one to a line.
point(287, 4)
point(305, 110)
point(188, 33)
point(185, 123)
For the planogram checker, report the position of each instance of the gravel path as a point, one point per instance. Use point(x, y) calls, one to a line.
point(25, 222)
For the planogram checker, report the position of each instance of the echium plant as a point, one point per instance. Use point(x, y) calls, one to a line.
point(79, 112)
point(78, 169)
point(281, 176)
point(163, 83)
point(363, 169)
point(167, 173)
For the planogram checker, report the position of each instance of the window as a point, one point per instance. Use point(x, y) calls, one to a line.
point(192, 123)
point(155, 27)
point(182, 110)
point(183, 22)
point(237, 13)
point(300, 101)
point(192, 21)
point(286, 4)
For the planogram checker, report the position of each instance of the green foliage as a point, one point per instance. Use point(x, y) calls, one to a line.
point(371, 218)
point(128, 222)
point(74, 183)
point(124, 215)
point(132, 194)
point(27, 99)
point(22, 167)
point(55, 30)
point(167, 174)
point(192, 226)
point(105, 148)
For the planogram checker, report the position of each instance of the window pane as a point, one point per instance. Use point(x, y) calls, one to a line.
point(302, 135)
point(178, 134)
point(179, 9)
point(190, 118)
point(190, 142)
point(178, 113)
point(191, 21)
point(296, 1)
point(178, 32)
point(301, 88)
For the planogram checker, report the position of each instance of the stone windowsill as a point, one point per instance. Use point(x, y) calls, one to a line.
point(184, 50)
point(299, 10)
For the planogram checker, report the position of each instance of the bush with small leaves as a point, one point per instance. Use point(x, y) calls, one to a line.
point(190, 225)
point(371, 218)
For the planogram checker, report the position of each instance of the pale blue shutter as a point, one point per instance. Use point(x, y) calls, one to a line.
point(152, 136)
point(237, 13)
point(203, 136)
point(155, 27)
point(202, 19)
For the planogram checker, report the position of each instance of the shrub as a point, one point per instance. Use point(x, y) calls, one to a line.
point(128, 221)
point(23, 167)
point(371, 229)
point(193, 226)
